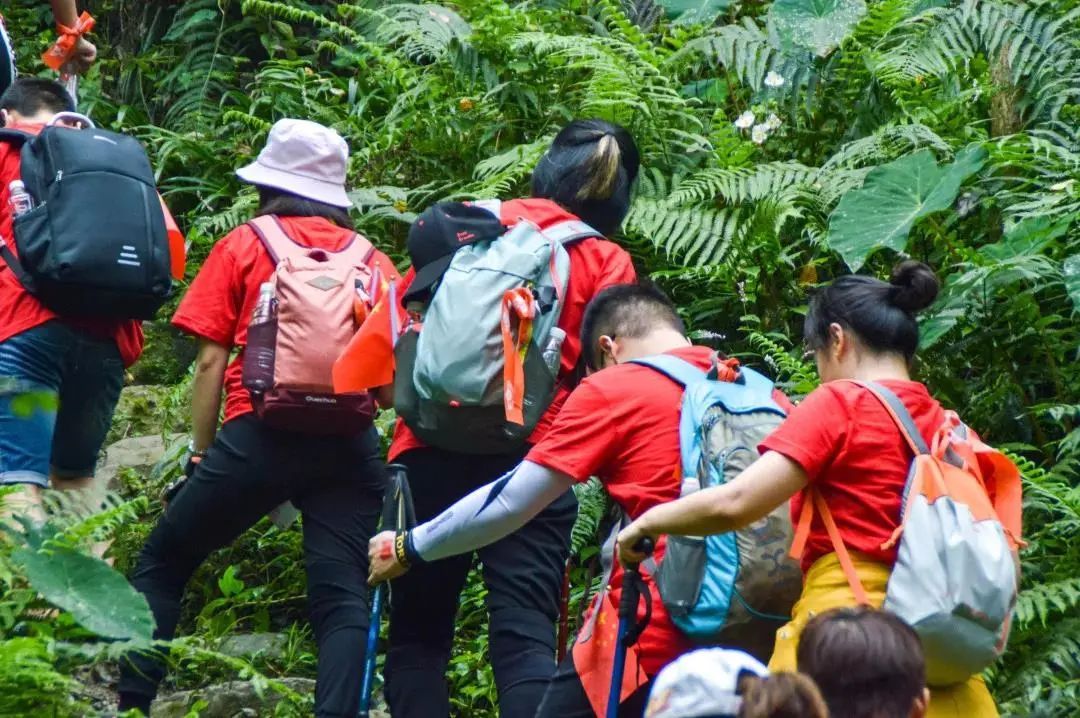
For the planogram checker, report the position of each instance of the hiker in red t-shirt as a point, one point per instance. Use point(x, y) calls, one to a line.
point(587, 174)
point(620, 424)
point(60, 378)
point(842, 442)
point(243, 470)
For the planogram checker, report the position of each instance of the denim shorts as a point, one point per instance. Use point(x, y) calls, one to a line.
point(58, 389)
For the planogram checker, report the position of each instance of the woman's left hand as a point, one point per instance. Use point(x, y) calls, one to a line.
point(630, 537)
point(383, 564)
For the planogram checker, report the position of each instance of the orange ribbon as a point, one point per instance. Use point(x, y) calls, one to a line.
point(64, 48)
point(520, 304)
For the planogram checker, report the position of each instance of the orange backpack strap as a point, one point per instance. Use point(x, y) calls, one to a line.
point(521, 305)
point(814, 502)
point(841, 550)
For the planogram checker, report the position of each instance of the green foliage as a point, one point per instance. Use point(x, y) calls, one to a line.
point(869, 126)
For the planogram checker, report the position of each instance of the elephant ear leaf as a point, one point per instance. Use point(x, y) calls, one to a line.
point(94, 593)
point(893, 198)
point(686, 12)
point(816, 25)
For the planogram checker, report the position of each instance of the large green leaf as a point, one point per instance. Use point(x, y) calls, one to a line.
point(94, 593)
point(817, 25)
point(893, 197)
point(694, 11)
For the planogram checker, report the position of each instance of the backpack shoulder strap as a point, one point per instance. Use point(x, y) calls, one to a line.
point(272, 236)
point(279, 245)
point(358, 251)
point(900, 415)
point(568, 231)
point(681, 372)
point(14, 137)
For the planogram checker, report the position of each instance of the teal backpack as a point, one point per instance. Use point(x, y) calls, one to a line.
point(735, 589)
point(493, 315)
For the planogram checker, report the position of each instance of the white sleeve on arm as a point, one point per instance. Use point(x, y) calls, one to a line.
point(491, 512)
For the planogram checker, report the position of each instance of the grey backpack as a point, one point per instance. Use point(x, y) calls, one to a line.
point(476, 368)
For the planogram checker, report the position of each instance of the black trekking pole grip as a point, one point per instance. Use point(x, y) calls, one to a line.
point(632, 583)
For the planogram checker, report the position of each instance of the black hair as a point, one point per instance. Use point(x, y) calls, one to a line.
point(625, 310)
point(286, 204)
point(881, 314)
point(30, 95)
point(590, 170)
point(866, 663)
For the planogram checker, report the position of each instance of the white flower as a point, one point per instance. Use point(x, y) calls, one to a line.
point(759, 134)
point(772, 122)
point(746, 120)
point(774, 79)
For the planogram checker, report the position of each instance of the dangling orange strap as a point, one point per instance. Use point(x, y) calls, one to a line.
point(64, 48)
point(813, 501)
point(520, 304)
point(841, 550)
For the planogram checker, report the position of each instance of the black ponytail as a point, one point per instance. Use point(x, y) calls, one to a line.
point(881, 314)
point(590, 170)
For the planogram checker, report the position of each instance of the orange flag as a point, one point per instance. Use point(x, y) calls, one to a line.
point(368, 360)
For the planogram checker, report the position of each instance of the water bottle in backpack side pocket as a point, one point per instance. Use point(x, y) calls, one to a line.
point(19, 198)
point(553, 351)
point(258, 373)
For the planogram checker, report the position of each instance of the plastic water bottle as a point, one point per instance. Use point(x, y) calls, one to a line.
point(258, 373)
point(553, 351)
point(20, 200)
point(265, 306)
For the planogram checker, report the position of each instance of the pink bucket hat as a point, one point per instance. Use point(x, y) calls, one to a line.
point(304, 158)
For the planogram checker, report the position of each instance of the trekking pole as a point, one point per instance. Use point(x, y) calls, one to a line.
point(397, 512)
point(629, 627)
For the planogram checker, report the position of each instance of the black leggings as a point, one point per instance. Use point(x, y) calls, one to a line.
point(522, 572)
point(337, 483)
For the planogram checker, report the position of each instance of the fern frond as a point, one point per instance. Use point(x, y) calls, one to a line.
point(593, 504)
point(695, 235)
point(1044, 600)
point(887, 144)
point(741, 185)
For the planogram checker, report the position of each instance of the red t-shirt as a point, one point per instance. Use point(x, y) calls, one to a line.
point(20, 310)
point(595, 263)
point(219, 304)
point(855, 455)
point(622, 425)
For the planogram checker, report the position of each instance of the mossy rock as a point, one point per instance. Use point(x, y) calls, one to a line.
point(166, 356)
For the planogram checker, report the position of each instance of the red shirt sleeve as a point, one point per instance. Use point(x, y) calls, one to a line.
point(814, 433)
point(618, 269)
point(211, 306)
point(582, 438)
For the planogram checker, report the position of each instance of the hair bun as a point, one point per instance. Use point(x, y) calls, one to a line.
point(914, 286)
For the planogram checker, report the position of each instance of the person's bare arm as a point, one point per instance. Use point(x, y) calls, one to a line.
point(384, 396)
point(210, 367)
point(764, 485)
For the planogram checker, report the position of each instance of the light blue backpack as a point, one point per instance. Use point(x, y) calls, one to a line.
point(737, 588)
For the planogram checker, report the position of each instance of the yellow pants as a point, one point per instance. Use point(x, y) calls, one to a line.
point(826, 588)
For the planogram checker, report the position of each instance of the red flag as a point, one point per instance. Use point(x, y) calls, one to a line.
point(177, 247)
point(368, 360)
point(594, 655)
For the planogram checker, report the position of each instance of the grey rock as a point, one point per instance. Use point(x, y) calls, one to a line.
point(235, 699)
point(245, 645)
point(139, 453)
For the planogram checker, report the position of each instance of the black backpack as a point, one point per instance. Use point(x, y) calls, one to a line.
point(95, 243)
